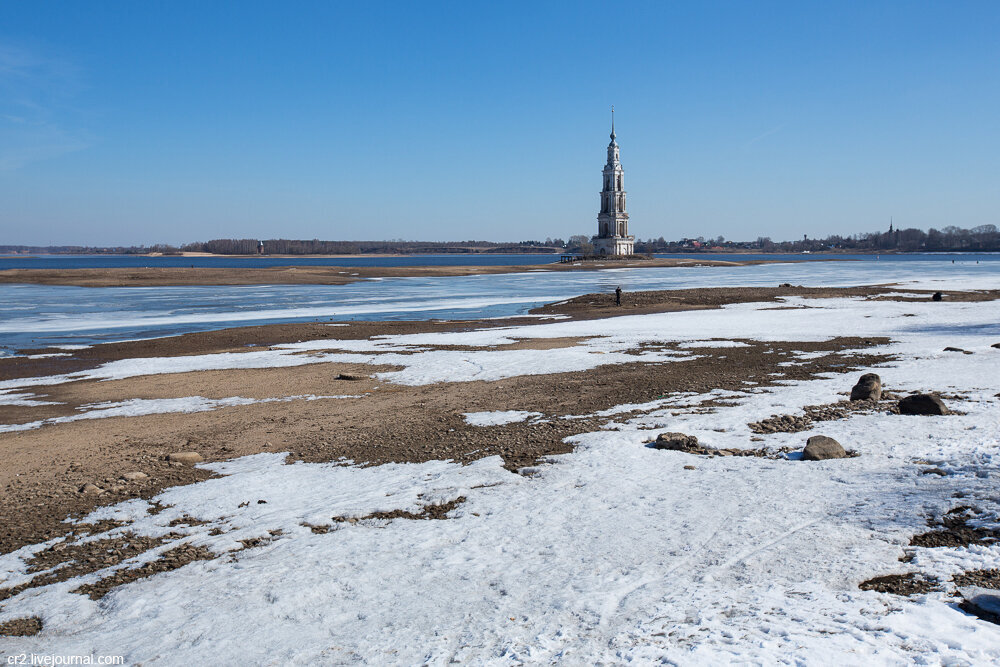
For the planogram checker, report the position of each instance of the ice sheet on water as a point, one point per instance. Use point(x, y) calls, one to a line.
point(608, 341)
point(117, 313)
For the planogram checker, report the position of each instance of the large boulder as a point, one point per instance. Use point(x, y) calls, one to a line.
point(821, 448)
point(679, 442)
point(922, 404)
point(868, 388)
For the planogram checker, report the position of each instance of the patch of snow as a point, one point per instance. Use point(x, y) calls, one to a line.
point(712, 344)
point(498, 417)
point(137, 407)
point(24, 399)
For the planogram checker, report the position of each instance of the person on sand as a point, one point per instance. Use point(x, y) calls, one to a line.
point(618, 295)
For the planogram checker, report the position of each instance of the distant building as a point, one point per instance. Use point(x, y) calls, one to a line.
point(260, 247)
point(612, 222)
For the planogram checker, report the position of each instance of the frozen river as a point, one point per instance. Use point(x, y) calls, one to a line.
point(41, 315)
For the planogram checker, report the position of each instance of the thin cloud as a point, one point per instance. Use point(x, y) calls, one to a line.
point(21, 145)
point(36, 114)
point(763, 136)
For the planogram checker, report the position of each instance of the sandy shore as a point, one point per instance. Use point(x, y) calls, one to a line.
point(344, 455)
point(308, 275)
point(255, 255)
point(45, 468)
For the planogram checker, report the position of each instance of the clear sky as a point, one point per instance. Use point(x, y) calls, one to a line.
point(145, 122)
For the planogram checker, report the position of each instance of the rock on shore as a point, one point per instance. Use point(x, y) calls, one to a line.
point(923, 404)
point(868, 388)
point(821, 448)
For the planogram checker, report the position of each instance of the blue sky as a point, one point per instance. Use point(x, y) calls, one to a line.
point(145, 122)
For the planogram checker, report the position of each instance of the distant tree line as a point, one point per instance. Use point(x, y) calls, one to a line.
point(984, 238)
point(395, 246)
point(84, 250)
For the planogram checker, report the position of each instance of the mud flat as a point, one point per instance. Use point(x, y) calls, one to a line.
point(309, 275)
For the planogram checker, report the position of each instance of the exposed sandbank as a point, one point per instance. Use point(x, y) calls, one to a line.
point(309, 275)
point(45, 468)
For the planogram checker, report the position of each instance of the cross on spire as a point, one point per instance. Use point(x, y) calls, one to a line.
point(612, 122)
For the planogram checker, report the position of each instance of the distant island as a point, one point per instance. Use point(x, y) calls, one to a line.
point(984, 238)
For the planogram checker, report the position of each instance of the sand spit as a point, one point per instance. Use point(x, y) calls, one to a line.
point(310, 275)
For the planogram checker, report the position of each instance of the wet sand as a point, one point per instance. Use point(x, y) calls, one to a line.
point(311, 275)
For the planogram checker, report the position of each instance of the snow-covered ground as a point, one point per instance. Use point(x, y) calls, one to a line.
point(616, 552)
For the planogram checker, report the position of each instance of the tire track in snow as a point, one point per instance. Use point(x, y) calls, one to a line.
point(756, 550)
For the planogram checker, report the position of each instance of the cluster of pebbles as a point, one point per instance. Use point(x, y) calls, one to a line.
point(867, 396)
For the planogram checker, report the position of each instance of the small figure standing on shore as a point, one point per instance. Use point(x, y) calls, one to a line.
point(618, 295)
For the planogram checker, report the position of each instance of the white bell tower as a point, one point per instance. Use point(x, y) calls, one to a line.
point(612, 222)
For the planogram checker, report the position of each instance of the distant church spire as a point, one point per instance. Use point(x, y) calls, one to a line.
point(612, 122)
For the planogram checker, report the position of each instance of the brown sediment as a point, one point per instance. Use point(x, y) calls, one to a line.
point(44, 469)
point(981, 578)
point(21, 627)
point(888, 404)
point(437, 512)
point(173, 559)
point(908, 584)
point(953, 530)
point(69, 559)
point(314, 275)
point(590, 306)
